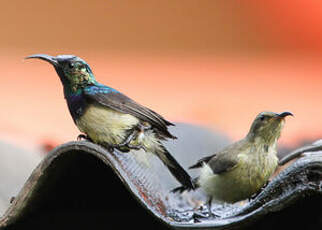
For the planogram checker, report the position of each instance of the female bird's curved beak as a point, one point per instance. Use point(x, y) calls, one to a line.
point(52, 60)
point(284, 114)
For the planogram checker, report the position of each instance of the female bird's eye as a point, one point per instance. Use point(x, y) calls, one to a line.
point(262, 118)
point(71, 65)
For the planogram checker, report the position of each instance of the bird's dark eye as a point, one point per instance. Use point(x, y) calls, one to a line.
point(262, 118)
point(71, 65)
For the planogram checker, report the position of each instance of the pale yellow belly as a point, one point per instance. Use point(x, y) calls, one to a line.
point(104, 125)
point(241, 182)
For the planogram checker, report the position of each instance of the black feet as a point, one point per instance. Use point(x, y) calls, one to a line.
point(136, 147)
point(198, 216)
point(204, 213)
point(83, 137)
point(126, 145)
point(134, 134)
point(12, 199)
point(129, 138)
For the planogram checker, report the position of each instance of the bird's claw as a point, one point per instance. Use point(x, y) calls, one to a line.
point(128, 139)
point(80, 137)
point(126, 145)
point(198, 216)
point(12, 199)
point(83, 137)
point(132, 136)
point(137, 147)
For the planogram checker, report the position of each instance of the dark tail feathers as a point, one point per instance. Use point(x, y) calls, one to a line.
point(181, 189)
point(175, 168)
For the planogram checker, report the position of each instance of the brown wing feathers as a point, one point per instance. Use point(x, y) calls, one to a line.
point(123, 104)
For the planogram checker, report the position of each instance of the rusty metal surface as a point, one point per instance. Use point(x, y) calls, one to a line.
point(151, 189)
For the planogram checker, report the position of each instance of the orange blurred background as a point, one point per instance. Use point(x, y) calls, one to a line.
point(214, 63)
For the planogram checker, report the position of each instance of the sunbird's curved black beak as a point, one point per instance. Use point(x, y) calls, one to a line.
point(284, 114)
point(52, 60)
